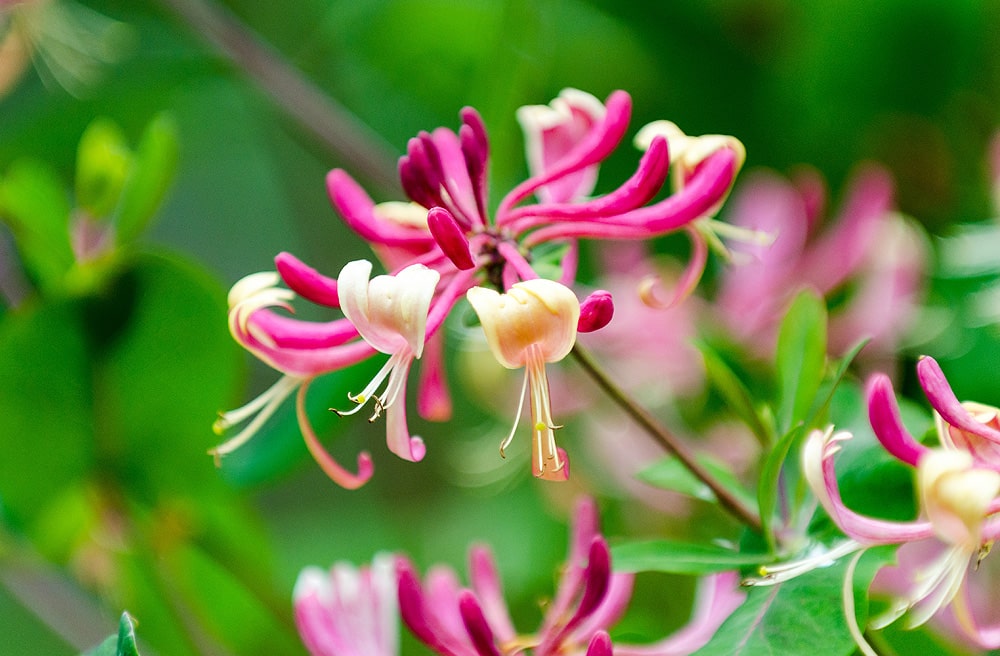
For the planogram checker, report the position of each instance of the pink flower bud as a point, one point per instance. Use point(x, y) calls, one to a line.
point(450, 237)
point(596, 311)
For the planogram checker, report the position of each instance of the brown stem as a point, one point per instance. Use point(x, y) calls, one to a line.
point(315, 112)
point(658, 432)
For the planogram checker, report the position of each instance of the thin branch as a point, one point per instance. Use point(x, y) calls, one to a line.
point(664, 438)
point(336, 128)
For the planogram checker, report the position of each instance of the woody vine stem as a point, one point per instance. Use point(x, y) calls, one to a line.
point(664, 438)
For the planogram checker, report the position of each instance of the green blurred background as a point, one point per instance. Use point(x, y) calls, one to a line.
point(107, 399)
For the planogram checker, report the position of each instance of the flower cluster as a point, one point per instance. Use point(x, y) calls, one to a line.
point(445, 244)
point(347, 611)
point(958, 487)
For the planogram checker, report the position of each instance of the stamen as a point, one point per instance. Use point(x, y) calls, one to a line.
point(264, 405)
point(517, 416)
point(368, 392)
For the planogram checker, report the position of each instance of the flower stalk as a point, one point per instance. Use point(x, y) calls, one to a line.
point(664, 438)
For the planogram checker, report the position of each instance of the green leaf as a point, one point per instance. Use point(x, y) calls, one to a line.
point(801, 356)
point(102, 164)
point(166, 375)
point(770, 480)
point(801, 616)
point(734, 392)
point(46, 430)
point(838, 376)
point(122, 644)
point(680, 558)
point(670, 474)
point(152, 172)
point(35, 205)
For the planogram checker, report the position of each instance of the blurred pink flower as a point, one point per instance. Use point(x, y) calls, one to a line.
point(868, 253)
point(349, 611)
point(454, 621)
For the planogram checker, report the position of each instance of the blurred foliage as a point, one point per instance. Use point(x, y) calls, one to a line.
point(112, 369)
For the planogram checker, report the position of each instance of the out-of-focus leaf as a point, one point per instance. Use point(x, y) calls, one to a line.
point(735, 393)
point(820, 410)
point(102, 164)
point(680, 558)
point(35, 205)
point(770, 480)
point(152, 171)
point(46, 434)
point(166, 376)
point(801, 616)
point(671, 474)
point(801, 356)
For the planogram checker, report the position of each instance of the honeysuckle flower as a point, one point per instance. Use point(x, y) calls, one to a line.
point(456, 621)
point(875, 254)
point(532, 324)
point(388, 314)
point(349, 611)
point(958, 486)
point(446, 226)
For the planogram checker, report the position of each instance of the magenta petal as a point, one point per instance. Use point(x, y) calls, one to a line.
point(883, 413)
point(486, 584)
point(633, 193)
point(943, 399)
point(330, 467)
point(596, 311)
point(476, 625)
point(358, 211)
point(450, 237)
point(306, 281)
point(413, 611)
point(433, 399)
point(701, 194)
point(600, 645)
point(596, 146)
point(287, 332)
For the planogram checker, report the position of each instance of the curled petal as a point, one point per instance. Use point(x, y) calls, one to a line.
point(883, 413)
point(306, 281)
point(326, 462)
point(596, 146)
point(943, 400)
point(552, 132)
point(688, 281)
point(818, 466)
point(358, 211)
point(699, 197)
point(635, 192)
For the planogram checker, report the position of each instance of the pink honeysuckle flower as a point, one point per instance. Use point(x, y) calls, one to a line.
point(475, 622)
point(390, 315)
point(867, 248)
point(349, 611)
point(551, 132)
point(958, 495)
point(590, 598)
point(532, 324)
point(446, 226)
